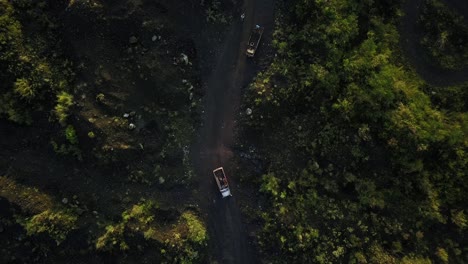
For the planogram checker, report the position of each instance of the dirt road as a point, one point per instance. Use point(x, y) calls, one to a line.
point(229, 241)
point(411, 35)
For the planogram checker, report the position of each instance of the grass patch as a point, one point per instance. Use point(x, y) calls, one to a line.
point(40, 214)
point(179, 239)
point(29, 199)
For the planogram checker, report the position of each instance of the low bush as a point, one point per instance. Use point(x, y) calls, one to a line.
point(55, 224)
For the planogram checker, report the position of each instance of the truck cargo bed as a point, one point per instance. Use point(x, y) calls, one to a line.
point(254, 40)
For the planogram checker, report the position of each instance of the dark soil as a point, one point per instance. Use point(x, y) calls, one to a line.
point(107, 62)
point(232, 71)
point(104, 60)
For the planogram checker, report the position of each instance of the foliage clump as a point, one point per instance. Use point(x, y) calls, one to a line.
point(139, 216)
point(39, 214)
point(445, 35)
point(29, 78)
point(70, 135)
point(214, 13)
point(24, 89)
point(56, 224)
point(69, 145)
point(64, 102)
point(113, 237)
point(196, 229)
point(183, 241)
point(192, 242)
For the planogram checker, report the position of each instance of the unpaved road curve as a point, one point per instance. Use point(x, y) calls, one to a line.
point(410, 36)
point(228, 238)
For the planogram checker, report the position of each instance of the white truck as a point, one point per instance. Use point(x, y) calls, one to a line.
point(221, 181)
point(254, 40)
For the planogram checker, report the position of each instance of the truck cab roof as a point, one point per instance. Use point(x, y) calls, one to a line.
point(222, 182)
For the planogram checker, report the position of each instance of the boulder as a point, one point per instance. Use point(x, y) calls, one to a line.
point(133, 40)
point(184, 58)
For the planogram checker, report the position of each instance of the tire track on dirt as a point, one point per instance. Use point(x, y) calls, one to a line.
point(228, 238)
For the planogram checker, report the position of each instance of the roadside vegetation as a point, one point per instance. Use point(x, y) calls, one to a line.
point(356, 159)
point(215, 12)
point(98, 107)
point(175, 238)
point(445, 35)
point(363, 161)
point(33, 79)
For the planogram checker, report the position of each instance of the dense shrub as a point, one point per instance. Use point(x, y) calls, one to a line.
point(29, 78)
point(64, 101)
point(363, 168)
point(56, 224)
point(182, 240)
